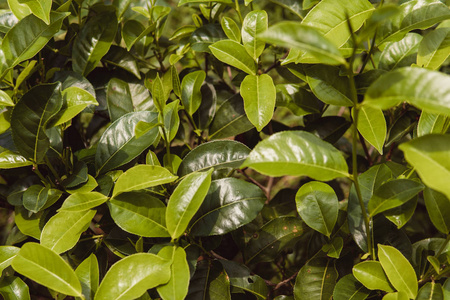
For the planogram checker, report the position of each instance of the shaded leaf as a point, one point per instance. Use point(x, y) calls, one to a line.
point(438, 207)
point(205, 36)
point(88, 274)
point(123, 59)
point(13, 288)
point(348, 288)
point(35, 197)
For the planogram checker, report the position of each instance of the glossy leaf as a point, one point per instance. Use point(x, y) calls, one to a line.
point(18, 9)
point(13, 288)
point(229, 204)
point(231, 29)
point(297, 153)
point(88, 274)
point(205, 36)
point(393, 194)
point(75, 100)
point(431, 290)
point(317, 205)
point(119, 99)
point(372, 126)
point(234, 54)
point(201, 285)
point(273, 237)
point(39, 8)
point(47, 268)
point(431, 123)
point(301, 37)
point(429, 155)
point(35, 197)
point(398, 269)
point(96, 37)
point(62, 231)
point(348, 288)
point(330, 18)
point(39, 105)
point(10, 160)
point(141, 177)
point(191, 96)
point(255, 22)
point(427, 90)
point(372, 276)
point(121, 58)
point(171, 119)
point(438, 207)
point(316, 280)
point(139, 213)
point(435, 47)
point(118, 144)
point(7, 253)
point(185, 200)
point(5, 99)
point(259, 94)
point(177, 287)
point(149, 271)
point(400, 54)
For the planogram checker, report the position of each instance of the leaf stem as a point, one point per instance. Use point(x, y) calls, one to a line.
point(238, 10)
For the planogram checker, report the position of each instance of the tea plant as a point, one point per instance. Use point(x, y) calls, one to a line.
point(226, 149)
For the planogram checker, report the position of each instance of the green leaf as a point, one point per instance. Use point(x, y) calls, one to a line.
point(177, 287)
point(400, 54)
point(431, 291)
point(259, 94)
point(435, 47)
point(18, 9)
point(89, 186)
point(149, 271)
point(301, 37)
point(395, 296)
point(7, 253)
point(39, 8)
point(427, 90)
point(191, 97)
point(318, 205)
point(35, 197)
point(205, 36)
point(30, 225)
point(11, 160)
point(297, 153)
point(272, 237)
point(348, 288)
point(142, 177)
point(231, 29)
point(118, 144)
point(13, 288)
point(400, 215)
point(62, 231)
point(78, 177)
point(171, 119)
point(329, 17)
point(44, 266)
point(159, 97)
point(431, 123)
point(438, 207)
point(88, 274)
point(255, 22)
point(294, 6)
point(139, 213)
point(398, 269)
point(229, 204)
point(120, 57)
point(234, 54)
point(83, 201)
point(372, 126)
point(182, 2)
point(316, 280)
point(372, 276)
point(185, 200)
point(30, 117)
point(393, 194)
point(93, 41)
point(28, 37)
point(430, 156)
point(209, 282)
point(5, 99)
point(414, 14)
point(133, 31)
point(119, 99)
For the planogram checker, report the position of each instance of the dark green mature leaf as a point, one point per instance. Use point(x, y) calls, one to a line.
point(428, 90)
point(435, 47)
point(215, 154)
point(133, 31)
point(398, 269)
point(273, 237)
point(118, 97)
point(149, 271)
point(185, 200)
point(234, 54)
point(47, 268)
point(178, 285)
point(120, 57)
point(205, 36)
point(301, 37)
point(400, 54)
point(438, 207)
point(393, 194)
point(202, 286)
point(13, 288)
point(316, 280)
point(88, 274)
point(255, 22)
point(62, 231)
point(318, 206)
point(229, 204)
point(330, 18)
point(139, 213)
point(28, 37)
point(297, 153)
point(298, 100)
point(372, 126)
point(35, 197)
point(431, 291)
point(30, 117)
point(94, 41)
point(430, 156)
point(191, 97)
point(79, 176)
point(348, 288)
point(118, 144)
point(372, 276)
point(259, 94)
point(414, 14)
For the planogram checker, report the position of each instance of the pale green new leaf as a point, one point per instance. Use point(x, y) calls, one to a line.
point(7, 253)
point(231, 29)
point(255, 22)
point(400, 54)
point(88, 274)
point(372, 126)
point(39, 8)
point(177, 287)
point(234, 54)
point(83, 201)
point(259, 94)
point(11, 160)
point(432, 123)
point(191, 96)
point(18, 9)
point(47, 268)
point(372, 276)
point(435, 47)
point(5, 99)
point(141, 177)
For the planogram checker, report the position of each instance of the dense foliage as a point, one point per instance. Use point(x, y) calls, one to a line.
point(225, 149)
